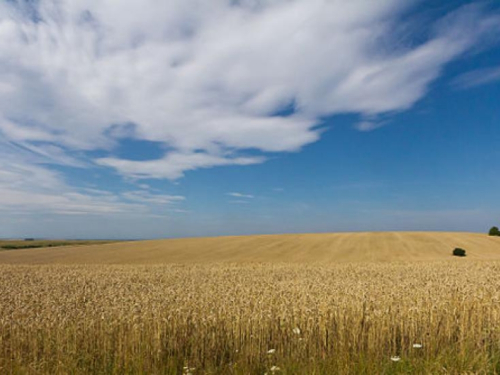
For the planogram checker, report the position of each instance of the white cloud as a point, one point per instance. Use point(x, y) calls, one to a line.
point(240, 195)
point(210, 81)
point(366, 125)
point(207, 79)
point(174, 165)
point(146, 197)
point(26, 187)
point(65, 203)
point(478, 77)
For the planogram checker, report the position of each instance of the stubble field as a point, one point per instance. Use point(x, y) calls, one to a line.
point(276, 317)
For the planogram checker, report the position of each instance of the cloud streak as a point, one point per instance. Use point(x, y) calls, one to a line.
point(240, 195)
point(477, 77)
point(173, 165)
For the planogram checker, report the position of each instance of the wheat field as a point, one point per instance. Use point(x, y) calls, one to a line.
point(290, 248)
point(438, 316)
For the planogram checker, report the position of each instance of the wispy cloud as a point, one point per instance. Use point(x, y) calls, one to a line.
point(240, 195)
point(27, 187)
point(65, 203)
point(174, 165)
point(477, 77)
point(366, 126)
point(146, 197)
point(238, 201)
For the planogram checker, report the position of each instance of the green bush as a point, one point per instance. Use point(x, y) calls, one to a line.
point(458, 252)
point(494, 231)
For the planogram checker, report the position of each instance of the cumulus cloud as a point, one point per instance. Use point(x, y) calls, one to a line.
point(210, 80)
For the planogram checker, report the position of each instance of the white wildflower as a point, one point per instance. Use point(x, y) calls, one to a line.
point(417, 346)
point(395, 358)
point(296, 330)
point(275, 368)
point(271, 351)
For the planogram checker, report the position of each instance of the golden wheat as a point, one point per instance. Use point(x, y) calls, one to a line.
point(441, 317)
point(291, 248)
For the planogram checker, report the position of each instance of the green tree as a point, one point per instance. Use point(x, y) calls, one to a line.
point(458, 252)
point(494, 231)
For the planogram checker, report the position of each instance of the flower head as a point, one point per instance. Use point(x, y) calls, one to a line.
point(417, 346)
point(395, 358)
point(271, 351)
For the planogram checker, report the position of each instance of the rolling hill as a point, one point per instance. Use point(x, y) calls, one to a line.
point(287, 248)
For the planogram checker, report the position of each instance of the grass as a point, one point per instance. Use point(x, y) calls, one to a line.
point(247, 318)
point(36, 244)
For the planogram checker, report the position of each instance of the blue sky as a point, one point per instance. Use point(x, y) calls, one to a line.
point(188, 119)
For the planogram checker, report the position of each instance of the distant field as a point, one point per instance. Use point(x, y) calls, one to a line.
point(36, 244)
point(291, 248)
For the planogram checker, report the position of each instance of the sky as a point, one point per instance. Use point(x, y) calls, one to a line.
point(154, 119)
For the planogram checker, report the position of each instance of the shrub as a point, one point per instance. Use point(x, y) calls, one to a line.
point(458, 252)
point(494, 231)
